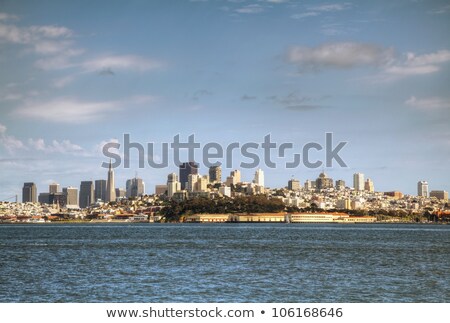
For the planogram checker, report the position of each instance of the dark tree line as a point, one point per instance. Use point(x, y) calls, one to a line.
point(243, 204)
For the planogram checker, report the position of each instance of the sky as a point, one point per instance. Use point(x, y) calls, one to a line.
point(75, 75)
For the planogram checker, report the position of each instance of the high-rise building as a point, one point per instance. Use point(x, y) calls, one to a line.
point(358, 181)
point(160, 189)
point(441, 195)
point(368, 185)
point(259, 177)
point(294, 185)
point(71, 194)
point(234, 178)
point(215, 174)
point(422, 188)
point(340, 184)
point(192, 182)
point(323, 182)
point(186, 169)
point(53, 188)
point(100, 190)
point(86, 194)
point(121, 193)
point(29, 193)
point(173, 185)
point(110, 188)
point(135, 187)
point(310, 185)
point(44, 198)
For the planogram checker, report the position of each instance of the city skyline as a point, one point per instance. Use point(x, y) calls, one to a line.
point(229, 72)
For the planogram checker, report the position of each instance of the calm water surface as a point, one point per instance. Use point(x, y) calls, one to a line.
point(224, 263)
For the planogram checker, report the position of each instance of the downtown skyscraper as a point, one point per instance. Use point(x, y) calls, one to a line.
point(110, 189)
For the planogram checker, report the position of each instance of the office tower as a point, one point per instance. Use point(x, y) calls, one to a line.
point(441, 195)
point(100, 190)
point(236, 174)
point(202, 184)
point(368, 185)
point(110, 188)
point(259, 177)
point(44, 198)
point(71, 194)
point(29, 193)
point(340, 184)
point(58, 199)
point(53, 188)
point(160, 189)
point(422, 188)
point(121, 193)
point(187, 169)
point(358, 181)
point(86, 194)
point(310, 185)
point(323, 182)
point(215, 174)
point(192, 182)
point(135, 187)
point(173, 185)
point(294, 185)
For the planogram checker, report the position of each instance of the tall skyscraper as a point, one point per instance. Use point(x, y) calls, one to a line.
point(173, 185)
point(368, 185)
point(259, 177)
point(186, 169)
point(121, 193)
point(294, 185)
point(86, 194)
point(53, 188)
point(71, 194)
point(358, 181)
point(100, 190)
point(340, 184)
point(422, 189)
point(29, 193)
point(110, 189)
point(215, 174)
point(135, 187)
point(323, 182)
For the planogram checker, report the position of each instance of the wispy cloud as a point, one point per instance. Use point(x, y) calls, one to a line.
point(73, 111)
point(10, 143)
point(432, 103)
point(412, 64)
point(441, 10)
point(67, 110)
point(338, 55)
point(247, 97)
point(314, 11)
point(121, 62)
point(55, 146)
point(250, 9)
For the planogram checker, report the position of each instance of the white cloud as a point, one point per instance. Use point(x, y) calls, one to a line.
point(10, 143)
point(305, 14)
point(4, 16)
point(250, 9)
point(124, 62)
point(441, 10)
point(319, 10)
point(428, 103)
point(62, 147)
point(62, 82)
point(331, 7)
point(338, 55)
point(67, 110)
point(72, 111)
point(414, 64)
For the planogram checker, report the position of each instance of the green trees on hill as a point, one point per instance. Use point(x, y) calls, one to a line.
point(242, 204)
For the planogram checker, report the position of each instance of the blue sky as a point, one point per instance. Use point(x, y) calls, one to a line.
point(75, 75)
